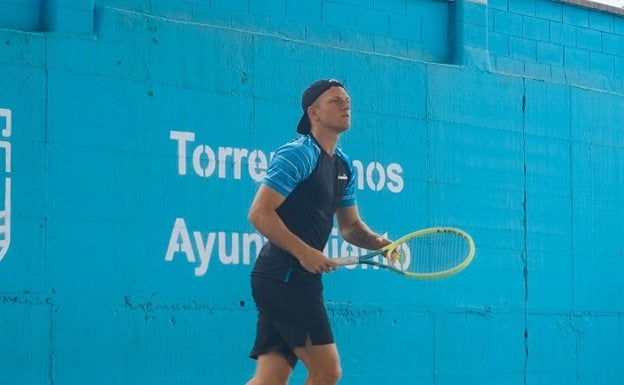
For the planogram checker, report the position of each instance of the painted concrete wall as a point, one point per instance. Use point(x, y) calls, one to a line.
point(134, 135)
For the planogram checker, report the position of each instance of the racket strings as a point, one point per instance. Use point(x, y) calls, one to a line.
point(433, 253)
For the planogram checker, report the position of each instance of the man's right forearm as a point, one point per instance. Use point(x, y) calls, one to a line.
point(269, 224)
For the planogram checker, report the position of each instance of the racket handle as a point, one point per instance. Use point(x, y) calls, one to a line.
point(342, 261)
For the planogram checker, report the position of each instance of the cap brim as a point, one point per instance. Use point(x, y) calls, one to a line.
point(304, 124)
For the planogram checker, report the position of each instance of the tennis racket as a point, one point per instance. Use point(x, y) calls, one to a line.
point(434, 252)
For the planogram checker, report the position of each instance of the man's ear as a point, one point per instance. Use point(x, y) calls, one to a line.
point(312, 113)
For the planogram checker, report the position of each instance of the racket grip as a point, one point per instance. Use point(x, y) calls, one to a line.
point(342, 261)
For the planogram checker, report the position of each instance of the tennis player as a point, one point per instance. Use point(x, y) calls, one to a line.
point(309, 180)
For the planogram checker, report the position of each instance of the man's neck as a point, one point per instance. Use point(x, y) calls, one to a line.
point(326, 140)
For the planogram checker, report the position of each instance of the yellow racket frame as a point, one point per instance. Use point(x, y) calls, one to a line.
point(392, 247)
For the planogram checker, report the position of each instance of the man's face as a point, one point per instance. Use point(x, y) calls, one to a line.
point(332, 110)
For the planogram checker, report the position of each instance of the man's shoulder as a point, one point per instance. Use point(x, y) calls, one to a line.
point(342, 155)
point(298, 147)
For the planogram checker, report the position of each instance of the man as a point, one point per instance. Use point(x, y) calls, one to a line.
point(308, 181)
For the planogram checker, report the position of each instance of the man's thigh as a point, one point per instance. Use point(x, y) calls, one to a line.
point(272, 368)
point(319, 358)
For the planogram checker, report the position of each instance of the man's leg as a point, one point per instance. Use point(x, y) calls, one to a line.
point(322, 362)
point(271, 369)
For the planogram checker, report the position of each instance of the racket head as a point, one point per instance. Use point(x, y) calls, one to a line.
point(434, 252)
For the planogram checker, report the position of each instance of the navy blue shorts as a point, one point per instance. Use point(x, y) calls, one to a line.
point(288, 314)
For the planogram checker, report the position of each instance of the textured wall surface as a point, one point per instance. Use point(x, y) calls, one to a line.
point(134, 134)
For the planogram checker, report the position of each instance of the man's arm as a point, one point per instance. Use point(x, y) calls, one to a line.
point(356, 232)
point(263, 216)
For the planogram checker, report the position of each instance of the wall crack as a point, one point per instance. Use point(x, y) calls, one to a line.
point(525, 268)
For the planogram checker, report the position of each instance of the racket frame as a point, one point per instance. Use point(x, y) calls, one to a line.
point(368, 258)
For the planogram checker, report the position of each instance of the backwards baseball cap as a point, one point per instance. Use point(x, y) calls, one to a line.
point(310, 95)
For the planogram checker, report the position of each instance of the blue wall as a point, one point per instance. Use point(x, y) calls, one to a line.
point(135, 134)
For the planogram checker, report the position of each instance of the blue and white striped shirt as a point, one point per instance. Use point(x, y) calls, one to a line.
point(315, 184)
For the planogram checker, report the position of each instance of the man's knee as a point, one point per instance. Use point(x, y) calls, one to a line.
point(335, 374)
point(268, 381)
point(275, 378)
point(327, 376)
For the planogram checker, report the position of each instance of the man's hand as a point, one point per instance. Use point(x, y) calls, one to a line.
point(394, 255)
point(315, 262)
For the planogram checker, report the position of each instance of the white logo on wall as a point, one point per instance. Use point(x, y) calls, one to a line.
point(235, 248)
point(5, 212)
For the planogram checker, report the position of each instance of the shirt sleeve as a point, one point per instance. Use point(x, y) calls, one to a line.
point(292, 164)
